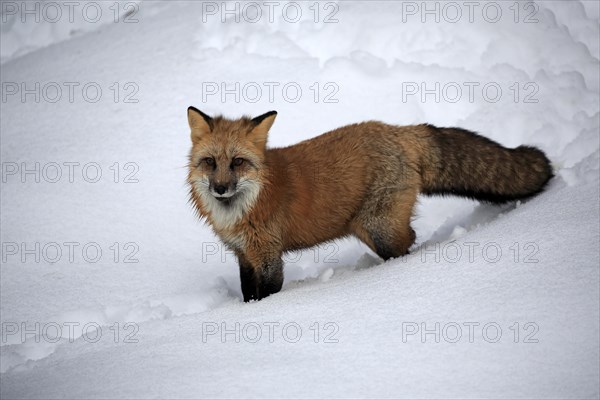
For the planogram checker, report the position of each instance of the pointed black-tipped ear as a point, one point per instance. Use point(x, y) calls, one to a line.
point(260, 118)
point(200, 123)
point(262, 124)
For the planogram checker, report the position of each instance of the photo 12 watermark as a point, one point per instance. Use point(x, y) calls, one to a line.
point(472, 252)
point(53, 12)
point(54, 332)
point(270, 92)
point(470, 92)
point(28, 172)
point(69, 252)
point(469, 332)
point(252, 12)
point(270, 332)
point(218, 252)
point(70, 92)
point(452, 12)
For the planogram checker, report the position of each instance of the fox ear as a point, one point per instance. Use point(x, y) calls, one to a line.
point(262, 124)
point(200, 123)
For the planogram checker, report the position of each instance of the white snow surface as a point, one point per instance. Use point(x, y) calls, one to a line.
point(520, 283)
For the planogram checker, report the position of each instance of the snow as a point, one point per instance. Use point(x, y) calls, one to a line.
point(173, 324)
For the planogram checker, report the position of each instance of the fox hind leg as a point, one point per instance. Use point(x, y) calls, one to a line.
point(383, 224)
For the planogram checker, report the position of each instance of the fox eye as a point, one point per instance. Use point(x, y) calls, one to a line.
point(238, 161)
point(209, 161)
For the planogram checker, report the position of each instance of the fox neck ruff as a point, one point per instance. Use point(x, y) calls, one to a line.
point(225, 214)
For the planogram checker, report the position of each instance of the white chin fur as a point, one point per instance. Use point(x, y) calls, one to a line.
point(223, 215)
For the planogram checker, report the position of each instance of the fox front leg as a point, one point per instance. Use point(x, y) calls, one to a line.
point(271, 277)
point(249, 280)
point(260, 278)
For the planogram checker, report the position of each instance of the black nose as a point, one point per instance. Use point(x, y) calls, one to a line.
point(220, 189)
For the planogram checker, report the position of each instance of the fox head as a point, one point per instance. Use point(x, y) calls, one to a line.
point(226, 163)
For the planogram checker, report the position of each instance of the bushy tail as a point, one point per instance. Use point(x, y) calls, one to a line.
point(464, 163)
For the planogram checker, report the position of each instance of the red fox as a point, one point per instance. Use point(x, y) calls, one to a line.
point(361, 180)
